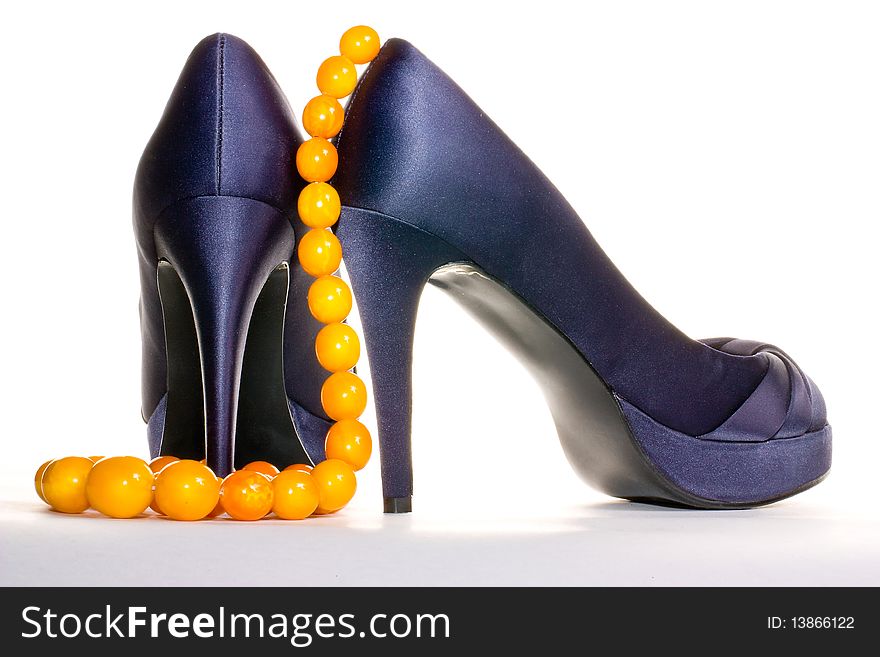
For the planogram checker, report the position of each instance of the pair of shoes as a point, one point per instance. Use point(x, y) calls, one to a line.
point(432, 192)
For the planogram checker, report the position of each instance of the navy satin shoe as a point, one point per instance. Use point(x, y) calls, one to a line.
point(435, 192)
point(229, 371)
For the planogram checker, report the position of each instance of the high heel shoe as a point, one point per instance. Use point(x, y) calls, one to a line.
point(434, 191)
point(229, 371)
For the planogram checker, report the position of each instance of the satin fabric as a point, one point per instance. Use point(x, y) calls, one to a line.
point(227, 131)
point(416, 149)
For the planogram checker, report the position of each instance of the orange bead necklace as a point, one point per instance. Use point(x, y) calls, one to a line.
point(337, 347)
point(124, 487)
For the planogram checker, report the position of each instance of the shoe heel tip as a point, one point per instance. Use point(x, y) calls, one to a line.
point(398, 504)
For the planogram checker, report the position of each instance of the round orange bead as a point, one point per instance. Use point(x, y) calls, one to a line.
point(316, 160)
point(246, 495)
point(64, 484)
point(318, 205)
point(298, 467)
point(38, 478)
point(187, 490)
point(323, 117)
point(296, 495)
point(263, 467)
point(360, 44)
point(218, 508)
point(337, 76)
point(319, 252)
point(349, 441)
point(156, 466)
point(337, 347)
point(343, 396)
point(329, 299)
point(160, 462)
point(336, 485)
point(120, 486)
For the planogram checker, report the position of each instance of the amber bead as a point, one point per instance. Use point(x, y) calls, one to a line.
point(329, 299)
point(319, 252)
point(316, 160)
point(186, 490)
point(38, 478)
point(323, 117)
point(246, 495)
point(337, 484)
point(343, 396)
point(349, 441)
point(64, 484)
point(263, 467)
point(218, 508)
point(156, 466)
point(337, 347)
point(360, 44)
point(337, 76)
point(160, 462)
point(318, 205)
point(120, 486)
point(296, 495)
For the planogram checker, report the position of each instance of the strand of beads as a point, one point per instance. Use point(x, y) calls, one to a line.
point(183, 489)
point(343, 395)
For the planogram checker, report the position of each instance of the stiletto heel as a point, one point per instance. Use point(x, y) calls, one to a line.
point(224, 250)
point(229, 368)
point(389, 263)
point(643, 411)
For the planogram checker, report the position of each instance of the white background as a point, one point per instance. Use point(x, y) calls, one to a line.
point(726, 155)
